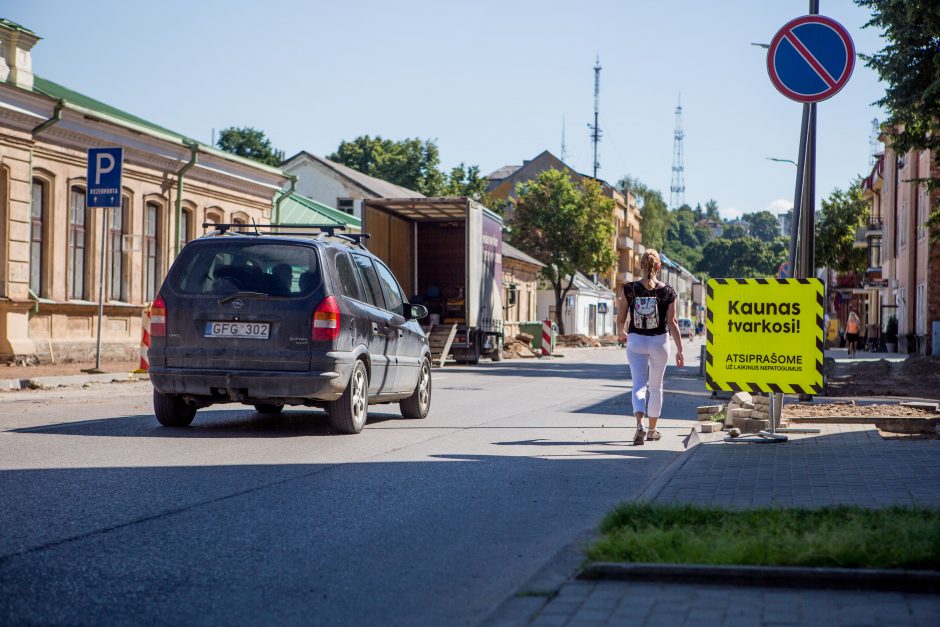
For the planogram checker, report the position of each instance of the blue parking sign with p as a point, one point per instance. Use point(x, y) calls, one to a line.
point(104, 177)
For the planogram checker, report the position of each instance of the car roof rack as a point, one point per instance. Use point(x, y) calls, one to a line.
point(320, 231)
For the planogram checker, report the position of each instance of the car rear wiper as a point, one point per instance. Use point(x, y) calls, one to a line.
point(231, 297)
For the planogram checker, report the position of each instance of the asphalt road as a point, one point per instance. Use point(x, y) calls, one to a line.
point(108, 518)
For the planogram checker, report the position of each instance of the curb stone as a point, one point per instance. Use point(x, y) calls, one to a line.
point(923, 582)
point(40, 383)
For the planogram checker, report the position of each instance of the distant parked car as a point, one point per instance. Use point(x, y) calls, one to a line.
point(272, 319)
point(686, 328)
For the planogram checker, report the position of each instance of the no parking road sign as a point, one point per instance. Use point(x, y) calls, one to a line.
point(811, 58)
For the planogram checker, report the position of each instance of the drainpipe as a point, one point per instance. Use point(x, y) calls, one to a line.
point(56, 116)
point(194, 150)
point(277, 203)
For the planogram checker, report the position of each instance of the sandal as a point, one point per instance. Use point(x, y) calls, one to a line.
point(639, 437)
point(654, 435)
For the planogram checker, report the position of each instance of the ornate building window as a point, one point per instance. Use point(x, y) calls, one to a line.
point(39, 218)
point(118, 221)
point(78, 248)
point(153, 245)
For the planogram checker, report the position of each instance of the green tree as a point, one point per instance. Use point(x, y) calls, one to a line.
point(466, 181)
point(653, 211)
point(764, 225)
point(742, 258)
point(684, 238)
point(249, 143)
point(566, 227)
point(910, 67)
point(733, 231)
point(842, 213)
point(411, 163)
point(711, 210)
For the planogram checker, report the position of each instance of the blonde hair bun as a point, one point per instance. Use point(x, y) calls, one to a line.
point(650, 263)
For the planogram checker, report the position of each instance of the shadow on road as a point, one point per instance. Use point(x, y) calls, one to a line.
point(227, 423)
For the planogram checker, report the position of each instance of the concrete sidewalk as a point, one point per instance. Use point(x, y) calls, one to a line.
point(844, 464)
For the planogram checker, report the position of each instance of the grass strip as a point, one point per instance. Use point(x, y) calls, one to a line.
point(838, 537)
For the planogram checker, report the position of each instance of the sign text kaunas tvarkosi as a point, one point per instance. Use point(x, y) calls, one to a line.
point(764, 335)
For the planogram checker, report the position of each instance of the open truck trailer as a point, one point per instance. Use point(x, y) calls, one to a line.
point(447, 254)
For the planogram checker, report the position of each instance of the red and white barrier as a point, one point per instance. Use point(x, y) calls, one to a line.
point(144, 341)
point(546, 338)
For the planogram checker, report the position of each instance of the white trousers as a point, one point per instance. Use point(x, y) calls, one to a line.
point(647, 356)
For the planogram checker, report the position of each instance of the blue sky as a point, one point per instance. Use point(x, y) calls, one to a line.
point(489, 81)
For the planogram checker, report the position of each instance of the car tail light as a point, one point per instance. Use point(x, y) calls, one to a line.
point(158, 317)
point(326, 320)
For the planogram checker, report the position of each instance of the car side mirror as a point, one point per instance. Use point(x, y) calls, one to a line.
point(415, 312)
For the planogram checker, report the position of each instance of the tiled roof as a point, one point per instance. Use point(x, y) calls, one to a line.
point(503, 172)
point(514, 253)
point(377, 187)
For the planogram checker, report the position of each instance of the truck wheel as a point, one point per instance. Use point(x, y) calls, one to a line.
point(348, 412)
point(473, 354)
point(172, 411)
point(418, 404)
point(268, 408)
point(497, 354)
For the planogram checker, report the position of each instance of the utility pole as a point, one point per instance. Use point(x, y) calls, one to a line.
point(595, 129)
point(677, 187)
point(564, 151)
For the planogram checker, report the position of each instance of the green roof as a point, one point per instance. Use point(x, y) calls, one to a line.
point(58, 92)
point(14, 26)
point(54, 90)
point(298, 209)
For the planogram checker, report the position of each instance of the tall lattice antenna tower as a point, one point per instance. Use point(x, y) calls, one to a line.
point(677, 187)
point(564, 147)
point(595, 129)
point(874, 144)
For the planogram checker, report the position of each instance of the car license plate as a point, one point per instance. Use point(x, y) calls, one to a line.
point(248, 330)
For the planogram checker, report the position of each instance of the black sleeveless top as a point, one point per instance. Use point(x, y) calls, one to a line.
point(647, 308)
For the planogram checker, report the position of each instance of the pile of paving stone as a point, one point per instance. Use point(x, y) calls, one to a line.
point(519, 347)
point(744, 413)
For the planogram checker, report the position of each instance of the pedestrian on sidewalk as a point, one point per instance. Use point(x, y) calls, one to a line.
point(649, 305)
point(852, 327)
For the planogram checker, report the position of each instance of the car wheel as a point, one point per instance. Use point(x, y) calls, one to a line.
point(418, 405)
point(172, 411)
point(268, 408)
point(348, 412)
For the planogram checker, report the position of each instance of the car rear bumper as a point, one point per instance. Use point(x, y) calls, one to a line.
point(326, 384)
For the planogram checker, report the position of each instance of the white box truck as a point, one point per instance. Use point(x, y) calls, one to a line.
point(447, 253)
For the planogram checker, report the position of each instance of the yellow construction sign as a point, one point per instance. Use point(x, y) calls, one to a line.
point(764, 335)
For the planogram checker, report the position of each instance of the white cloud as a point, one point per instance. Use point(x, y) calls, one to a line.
point(730, 213)
point(781, 205)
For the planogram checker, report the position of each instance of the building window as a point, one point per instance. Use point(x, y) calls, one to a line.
point(345, 205)
point(117, 229)
point(920, 315)
point(922, 205)
point(78, 244)
point(38, 217)
point(153, 241)
point(186, 221)
point(902, 223)
point(874, 253)
point(213, 217)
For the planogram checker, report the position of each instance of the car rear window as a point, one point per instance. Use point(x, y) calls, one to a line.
point(227, 267)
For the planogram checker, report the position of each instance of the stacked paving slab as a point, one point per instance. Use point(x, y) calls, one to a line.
point(745, 413)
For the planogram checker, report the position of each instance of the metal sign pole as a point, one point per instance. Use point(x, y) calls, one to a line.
point(104, 251)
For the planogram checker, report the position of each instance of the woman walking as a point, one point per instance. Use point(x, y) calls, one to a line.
point(650, 307)
point(852, 327)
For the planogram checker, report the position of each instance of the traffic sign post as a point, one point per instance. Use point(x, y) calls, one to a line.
point(103, 191)
point(810, 59)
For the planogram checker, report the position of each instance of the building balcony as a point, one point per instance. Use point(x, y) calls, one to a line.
point(625, 242)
